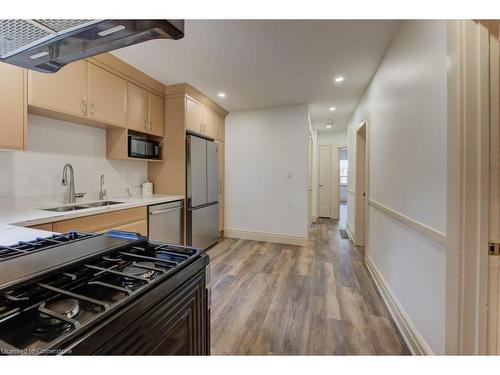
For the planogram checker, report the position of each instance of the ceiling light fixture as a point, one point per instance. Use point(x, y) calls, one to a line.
point(339, 79)
point(328, 126)
point(221, 95)
point(332, 109)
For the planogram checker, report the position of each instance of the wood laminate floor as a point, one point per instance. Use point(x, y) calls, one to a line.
point(281, 299)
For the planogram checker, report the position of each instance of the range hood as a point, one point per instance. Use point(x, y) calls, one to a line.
point(48, 45)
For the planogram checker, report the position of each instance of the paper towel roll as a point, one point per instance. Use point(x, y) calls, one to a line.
point(147, 189)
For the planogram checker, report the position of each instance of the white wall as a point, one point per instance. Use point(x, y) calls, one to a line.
point(52, 143)
point(332, 137)
point(405, 106)
point(266, 170)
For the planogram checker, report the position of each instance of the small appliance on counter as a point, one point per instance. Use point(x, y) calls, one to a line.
point(142, 147)
point(147, 189)
point(114, 293)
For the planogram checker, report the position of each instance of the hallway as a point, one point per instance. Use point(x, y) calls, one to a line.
point(280, 299)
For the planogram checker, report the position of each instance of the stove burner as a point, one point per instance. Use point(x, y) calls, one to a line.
point(48, 325)
point(135, 270)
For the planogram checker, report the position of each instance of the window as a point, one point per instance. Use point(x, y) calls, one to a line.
point(343, 166)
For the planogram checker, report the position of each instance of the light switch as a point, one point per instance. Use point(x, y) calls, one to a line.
point(290, 174)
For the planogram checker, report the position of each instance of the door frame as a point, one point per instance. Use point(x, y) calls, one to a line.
point(467, 186)
point(336, 170)
point(319, 177)
point(363, 126)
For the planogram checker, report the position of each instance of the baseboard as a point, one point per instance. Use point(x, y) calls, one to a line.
point(266, 237)
point(349, 231)
point(412, 338)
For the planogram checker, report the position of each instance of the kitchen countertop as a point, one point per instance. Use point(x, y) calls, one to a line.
point(16, 214)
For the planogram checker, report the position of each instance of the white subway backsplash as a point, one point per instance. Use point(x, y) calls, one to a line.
point(53, 143)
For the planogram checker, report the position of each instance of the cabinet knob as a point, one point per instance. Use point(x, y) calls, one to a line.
point(83, 107)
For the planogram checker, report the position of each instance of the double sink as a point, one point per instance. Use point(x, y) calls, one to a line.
point(82, 206)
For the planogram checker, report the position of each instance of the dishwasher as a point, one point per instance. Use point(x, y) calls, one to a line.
point(166, 222)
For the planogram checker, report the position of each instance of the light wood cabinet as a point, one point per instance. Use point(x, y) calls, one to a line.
point(106, 96)
point(193, 116)
point(137, 108)
point(46, 226)
point(62, 92)
point(102, 222)
point(140, 227)
point(201, 120)
point(12, 107)
point(209, 122)
point(156, 114)
point(220, 128)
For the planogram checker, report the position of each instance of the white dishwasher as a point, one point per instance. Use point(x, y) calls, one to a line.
point(166, 222)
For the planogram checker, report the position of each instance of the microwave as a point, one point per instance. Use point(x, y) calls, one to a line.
point(141, 147)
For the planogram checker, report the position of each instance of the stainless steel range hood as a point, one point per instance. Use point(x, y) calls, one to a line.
point(47, 45)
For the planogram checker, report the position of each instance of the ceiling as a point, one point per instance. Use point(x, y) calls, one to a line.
point(270, 63)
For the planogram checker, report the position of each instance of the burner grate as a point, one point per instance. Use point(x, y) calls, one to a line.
point(99, 286)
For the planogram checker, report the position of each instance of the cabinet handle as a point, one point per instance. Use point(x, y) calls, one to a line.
point(83, 107)
point(92, 110)
point(150, 126)
point(146, 124)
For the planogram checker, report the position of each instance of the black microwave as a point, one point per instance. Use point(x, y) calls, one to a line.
point(140, 147)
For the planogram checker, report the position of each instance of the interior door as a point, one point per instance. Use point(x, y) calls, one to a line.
point(197, 171)
point(325, 180)
point(309, 181)
point(212, 172)
point(64, 91)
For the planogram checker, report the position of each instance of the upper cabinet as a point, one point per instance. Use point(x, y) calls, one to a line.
point(156, 115)
point(137, 108)
point(209, 120)
point(64, 92)
point(202, 120)
point(12, 107)
point(220, 129)
point(145, 111)
point(106, 96)
point(193, 116)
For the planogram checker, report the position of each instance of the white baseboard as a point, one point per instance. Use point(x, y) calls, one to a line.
point(266, 237)
point(350, 231)
point(411, 336)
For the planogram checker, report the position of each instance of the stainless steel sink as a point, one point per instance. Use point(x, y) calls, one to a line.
point(64, 208)
point(98, 204)
point(82, 206)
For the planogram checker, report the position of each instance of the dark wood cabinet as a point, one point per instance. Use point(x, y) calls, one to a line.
point(177, 325)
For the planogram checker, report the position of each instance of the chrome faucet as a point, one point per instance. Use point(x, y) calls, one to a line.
point(70, 196)
point(102, 192)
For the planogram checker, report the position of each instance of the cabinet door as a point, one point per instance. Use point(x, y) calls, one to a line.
point(156, 114)
point(137, 108)
point(221, 186)
point(193, 116)
point(209, 120)
point(12, 107)
point(220, 128)
point(106, 96)
point(64, 91)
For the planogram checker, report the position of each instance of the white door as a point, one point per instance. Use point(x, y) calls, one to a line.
point(309, 182)
point(325, 179)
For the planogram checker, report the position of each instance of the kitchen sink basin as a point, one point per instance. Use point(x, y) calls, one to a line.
point(64, 208)
point(98, 204)
point(82, 206)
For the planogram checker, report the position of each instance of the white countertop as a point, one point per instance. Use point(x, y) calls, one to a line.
point(16, 214)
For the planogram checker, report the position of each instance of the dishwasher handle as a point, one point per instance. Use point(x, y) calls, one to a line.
point(159, 212)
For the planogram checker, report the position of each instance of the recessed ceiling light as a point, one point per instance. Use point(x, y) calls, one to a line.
point(221, 94)
point(328, 126)
point(332, 109)
point(339, 79)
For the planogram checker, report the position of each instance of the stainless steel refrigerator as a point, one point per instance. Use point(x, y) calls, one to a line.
point(202, 179)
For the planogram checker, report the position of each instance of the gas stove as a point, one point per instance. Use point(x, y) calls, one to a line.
point(76, 280)
point(27, 247)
